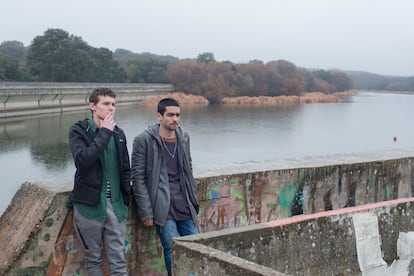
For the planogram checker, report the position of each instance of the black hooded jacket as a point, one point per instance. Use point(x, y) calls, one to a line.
point(87, 148)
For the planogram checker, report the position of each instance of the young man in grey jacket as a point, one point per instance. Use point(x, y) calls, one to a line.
point(163, 184)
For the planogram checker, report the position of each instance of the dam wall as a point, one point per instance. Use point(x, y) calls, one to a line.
point(37, 236)
point(34, 98)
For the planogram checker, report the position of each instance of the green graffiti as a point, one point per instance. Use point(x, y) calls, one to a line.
point(234, 181)
point(33, 270)
point(46, 237)
point(49, 222)
point(52, 209)
point(301, 175)
point(285, 198)
point(33, 244)
point(214, 192)
point(388, 191)
point(238, 195)
point(157, 265)
point(243, 220)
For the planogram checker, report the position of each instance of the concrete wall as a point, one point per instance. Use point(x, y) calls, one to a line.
point(23, 99)
point(263, 191)
point(231, 197)
point(373, 239)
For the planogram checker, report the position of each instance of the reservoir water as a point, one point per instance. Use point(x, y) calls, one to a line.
point(36, 148)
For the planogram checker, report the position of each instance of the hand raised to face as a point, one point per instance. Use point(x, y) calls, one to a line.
point(108, 122)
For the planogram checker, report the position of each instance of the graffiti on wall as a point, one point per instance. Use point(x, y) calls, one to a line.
point(243, 199)
point(224, 206)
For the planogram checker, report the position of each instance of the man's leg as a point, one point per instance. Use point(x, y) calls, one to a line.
point(187, 227)
point(114, 242)
point(89, 233)
point(166, 234)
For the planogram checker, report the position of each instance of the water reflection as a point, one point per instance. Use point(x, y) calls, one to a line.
point(53, 155)
point(45, 138)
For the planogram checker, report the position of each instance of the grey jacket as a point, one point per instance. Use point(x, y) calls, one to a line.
point(150, 178)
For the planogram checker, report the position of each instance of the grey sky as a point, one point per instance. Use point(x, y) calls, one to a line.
point(366, 35)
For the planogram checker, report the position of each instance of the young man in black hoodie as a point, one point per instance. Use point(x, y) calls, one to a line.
point(101, 192)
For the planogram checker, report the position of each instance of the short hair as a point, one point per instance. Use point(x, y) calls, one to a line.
point(162, 104)
point(94, 97)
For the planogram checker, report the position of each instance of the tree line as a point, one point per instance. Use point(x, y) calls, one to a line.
point(57, 56)
point(365, 80)
point(216, 80)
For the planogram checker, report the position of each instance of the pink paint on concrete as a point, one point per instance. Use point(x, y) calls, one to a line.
point(360, 208)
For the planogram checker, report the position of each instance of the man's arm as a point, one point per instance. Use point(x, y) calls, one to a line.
point(139, 180)
point(85, 155)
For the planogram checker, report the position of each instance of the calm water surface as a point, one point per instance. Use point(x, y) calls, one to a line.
point(36, 149)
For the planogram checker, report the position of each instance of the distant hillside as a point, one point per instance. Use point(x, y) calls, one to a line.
point(365, 80)
point(126, 55)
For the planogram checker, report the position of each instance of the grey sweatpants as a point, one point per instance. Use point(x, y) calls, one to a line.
point(94, 234)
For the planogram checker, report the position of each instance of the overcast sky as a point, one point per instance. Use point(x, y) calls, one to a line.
point(366, 35)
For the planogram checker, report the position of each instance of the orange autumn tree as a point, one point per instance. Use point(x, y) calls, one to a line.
point(216, 80)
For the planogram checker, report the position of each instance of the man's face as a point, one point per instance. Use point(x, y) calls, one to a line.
point(105, 105)
point(170, 119)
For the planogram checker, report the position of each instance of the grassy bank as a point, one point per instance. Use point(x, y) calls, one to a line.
point(314, 97)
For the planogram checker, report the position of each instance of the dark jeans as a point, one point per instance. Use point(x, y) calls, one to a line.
point(171, 230)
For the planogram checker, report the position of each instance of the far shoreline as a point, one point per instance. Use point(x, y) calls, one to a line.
point(389, 92)
point(311, 97)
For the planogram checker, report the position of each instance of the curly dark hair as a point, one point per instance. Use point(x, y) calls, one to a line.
point(94, 97)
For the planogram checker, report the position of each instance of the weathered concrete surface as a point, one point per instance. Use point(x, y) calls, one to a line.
point(37, 237)
point(374, 239)
point(33, 98)
point(193, 258)
point(29, 229)
point(266, 191)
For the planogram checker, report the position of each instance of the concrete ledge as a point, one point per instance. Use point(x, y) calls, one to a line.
point(374, 239)
point(311, 162)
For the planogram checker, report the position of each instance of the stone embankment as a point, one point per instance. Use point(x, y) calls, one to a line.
point(28, 98)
